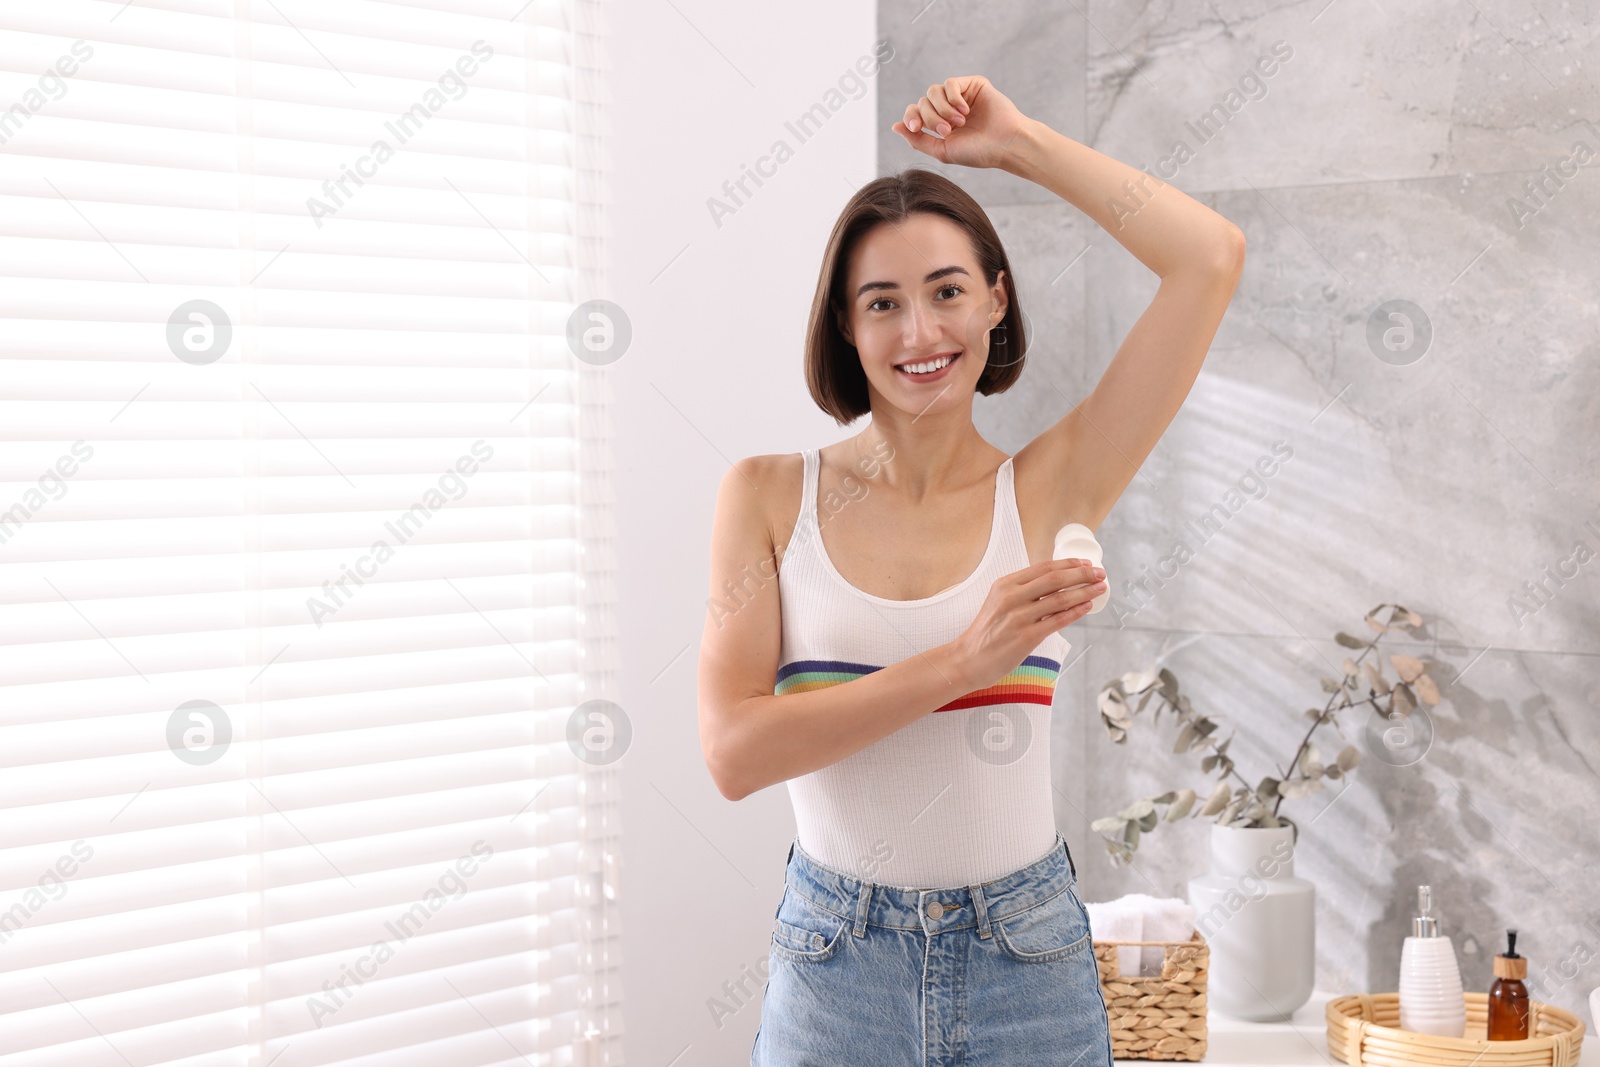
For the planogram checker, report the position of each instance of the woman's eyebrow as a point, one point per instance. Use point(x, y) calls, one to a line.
point(933, 276)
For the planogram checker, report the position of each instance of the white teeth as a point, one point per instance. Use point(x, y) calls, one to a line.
point(926, 368)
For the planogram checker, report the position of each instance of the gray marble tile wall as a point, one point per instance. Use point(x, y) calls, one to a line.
point(1394, 153)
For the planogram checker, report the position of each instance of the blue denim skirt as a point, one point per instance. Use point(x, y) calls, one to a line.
point(1001, 973)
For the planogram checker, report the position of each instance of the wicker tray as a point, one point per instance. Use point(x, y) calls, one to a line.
point(1157, 1017)
point(1364, 1031)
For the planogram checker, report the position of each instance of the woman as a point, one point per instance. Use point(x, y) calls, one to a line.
point(930, 912)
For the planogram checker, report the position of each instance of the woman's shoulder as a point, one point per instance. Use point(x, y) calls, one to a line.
point(774, 483)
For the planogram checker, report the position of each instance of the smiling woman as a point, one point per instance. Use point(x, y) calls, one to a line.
point(900, 677)
point(966, 296)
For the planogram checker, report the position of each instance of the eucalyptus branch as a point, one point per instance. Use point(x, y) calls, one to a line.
point(1247, 805)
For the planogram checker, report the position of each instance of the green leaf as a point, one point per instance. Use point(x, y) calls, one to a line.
point(1347, 641)
point(1148, 823)
point(1267, 788)
point(1181, 805)
point(1137, 681)
point(1349, 758)
point(1130, 836)
point(1138, 809)
point(1111, 823)
point(1216, 801)
point(1165, 798)
point(1208, 763)
point(1185, 736)
point(1299, 787)
point(1380, 684)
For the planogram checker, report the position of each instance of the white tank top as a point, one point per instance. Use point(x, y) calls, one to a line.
point(961, 795)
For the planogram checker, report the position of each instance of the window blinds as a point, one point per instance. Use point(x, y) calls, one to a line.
point(303, 536)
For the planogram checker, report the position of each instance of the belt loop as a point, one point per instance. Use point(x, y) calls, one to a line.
point(1068, 851)
point(979, 906)
point(862, 899)
point(791, 852)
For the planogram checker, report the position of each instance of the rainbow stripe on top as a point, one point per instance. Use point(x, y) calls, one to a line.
point(1033, 682)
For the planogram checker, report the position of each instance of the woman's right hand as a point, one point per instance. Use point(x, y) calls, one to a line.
point(1022, 609)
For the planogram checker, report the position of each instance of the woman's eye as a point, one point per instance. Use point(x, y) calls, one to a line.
point(885, 300)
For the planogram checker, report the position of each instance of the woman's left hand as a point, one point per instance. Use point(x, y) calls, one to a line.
point(975, 122)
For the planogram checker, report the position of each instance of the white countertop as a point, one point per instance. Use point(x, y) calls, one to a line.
point(1303, 1040)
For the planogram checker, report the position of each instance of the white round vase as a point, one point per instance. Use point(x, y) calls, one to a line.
point(1259, 921)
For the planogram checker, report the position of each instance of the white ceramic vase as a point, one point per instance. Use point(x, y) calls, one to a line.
point(1259, 920)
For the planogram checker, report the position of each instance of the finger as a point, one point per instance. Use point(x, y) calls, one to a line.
point(954, 90)
point(922, 142)
point(1057, 617)
point(1054, 582)
point(942, 104)
point(912, 118)
point(1043, 567)
point(931, 119)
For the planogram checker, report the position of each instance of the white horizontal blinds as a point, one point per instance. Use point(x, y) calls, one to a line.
point(349, 540)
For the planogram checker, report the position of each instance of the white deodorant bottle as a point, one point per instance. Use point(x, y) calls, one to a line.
point(1431, 1001)
point(1076, 541)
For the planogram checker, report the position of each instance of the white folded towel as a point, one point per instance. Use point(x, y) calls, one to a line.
point(1141, 917)
point(1118, 920)
point(1166, 919)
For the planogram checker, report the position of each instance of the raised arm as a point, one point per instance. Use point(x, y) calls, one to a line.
point(1086, 459)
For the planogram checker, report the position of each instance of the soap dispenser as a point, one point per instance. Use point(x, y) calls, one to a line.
point(1431, 1000)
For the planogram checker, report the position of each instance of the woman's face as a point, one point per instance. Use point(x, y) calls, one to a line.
point(916, 297)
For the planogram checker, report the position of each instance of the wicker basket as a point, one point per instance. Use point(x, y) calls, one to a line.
point(1364, 1031)
point(1159, 1017)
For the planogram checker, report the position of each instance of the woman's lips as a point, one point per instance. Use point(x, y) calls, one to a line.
point(930, 377)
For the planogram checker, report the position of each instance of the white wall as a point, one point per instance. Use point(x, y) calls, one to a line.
point(700, 89)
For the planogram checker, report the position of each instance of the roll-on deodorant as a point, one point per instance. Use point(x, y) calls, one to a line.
point(1076, 541)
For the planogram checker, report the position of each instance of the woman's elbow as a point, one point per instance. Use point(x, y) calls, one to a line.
point(723, 769)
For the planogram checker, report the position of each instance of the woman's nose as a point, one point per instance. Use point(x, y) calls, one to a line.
point(920, 325)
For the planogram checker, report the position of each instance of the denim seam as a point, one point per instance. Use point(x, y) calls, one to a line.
point(1049, 955)
point(861, 921)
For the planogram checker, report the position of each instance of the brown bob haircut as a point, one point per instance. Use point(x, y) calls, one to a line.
point(833, 366)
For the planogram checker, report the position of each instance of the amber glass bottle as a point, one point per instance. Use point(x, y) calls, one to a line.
point(1508, 997)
